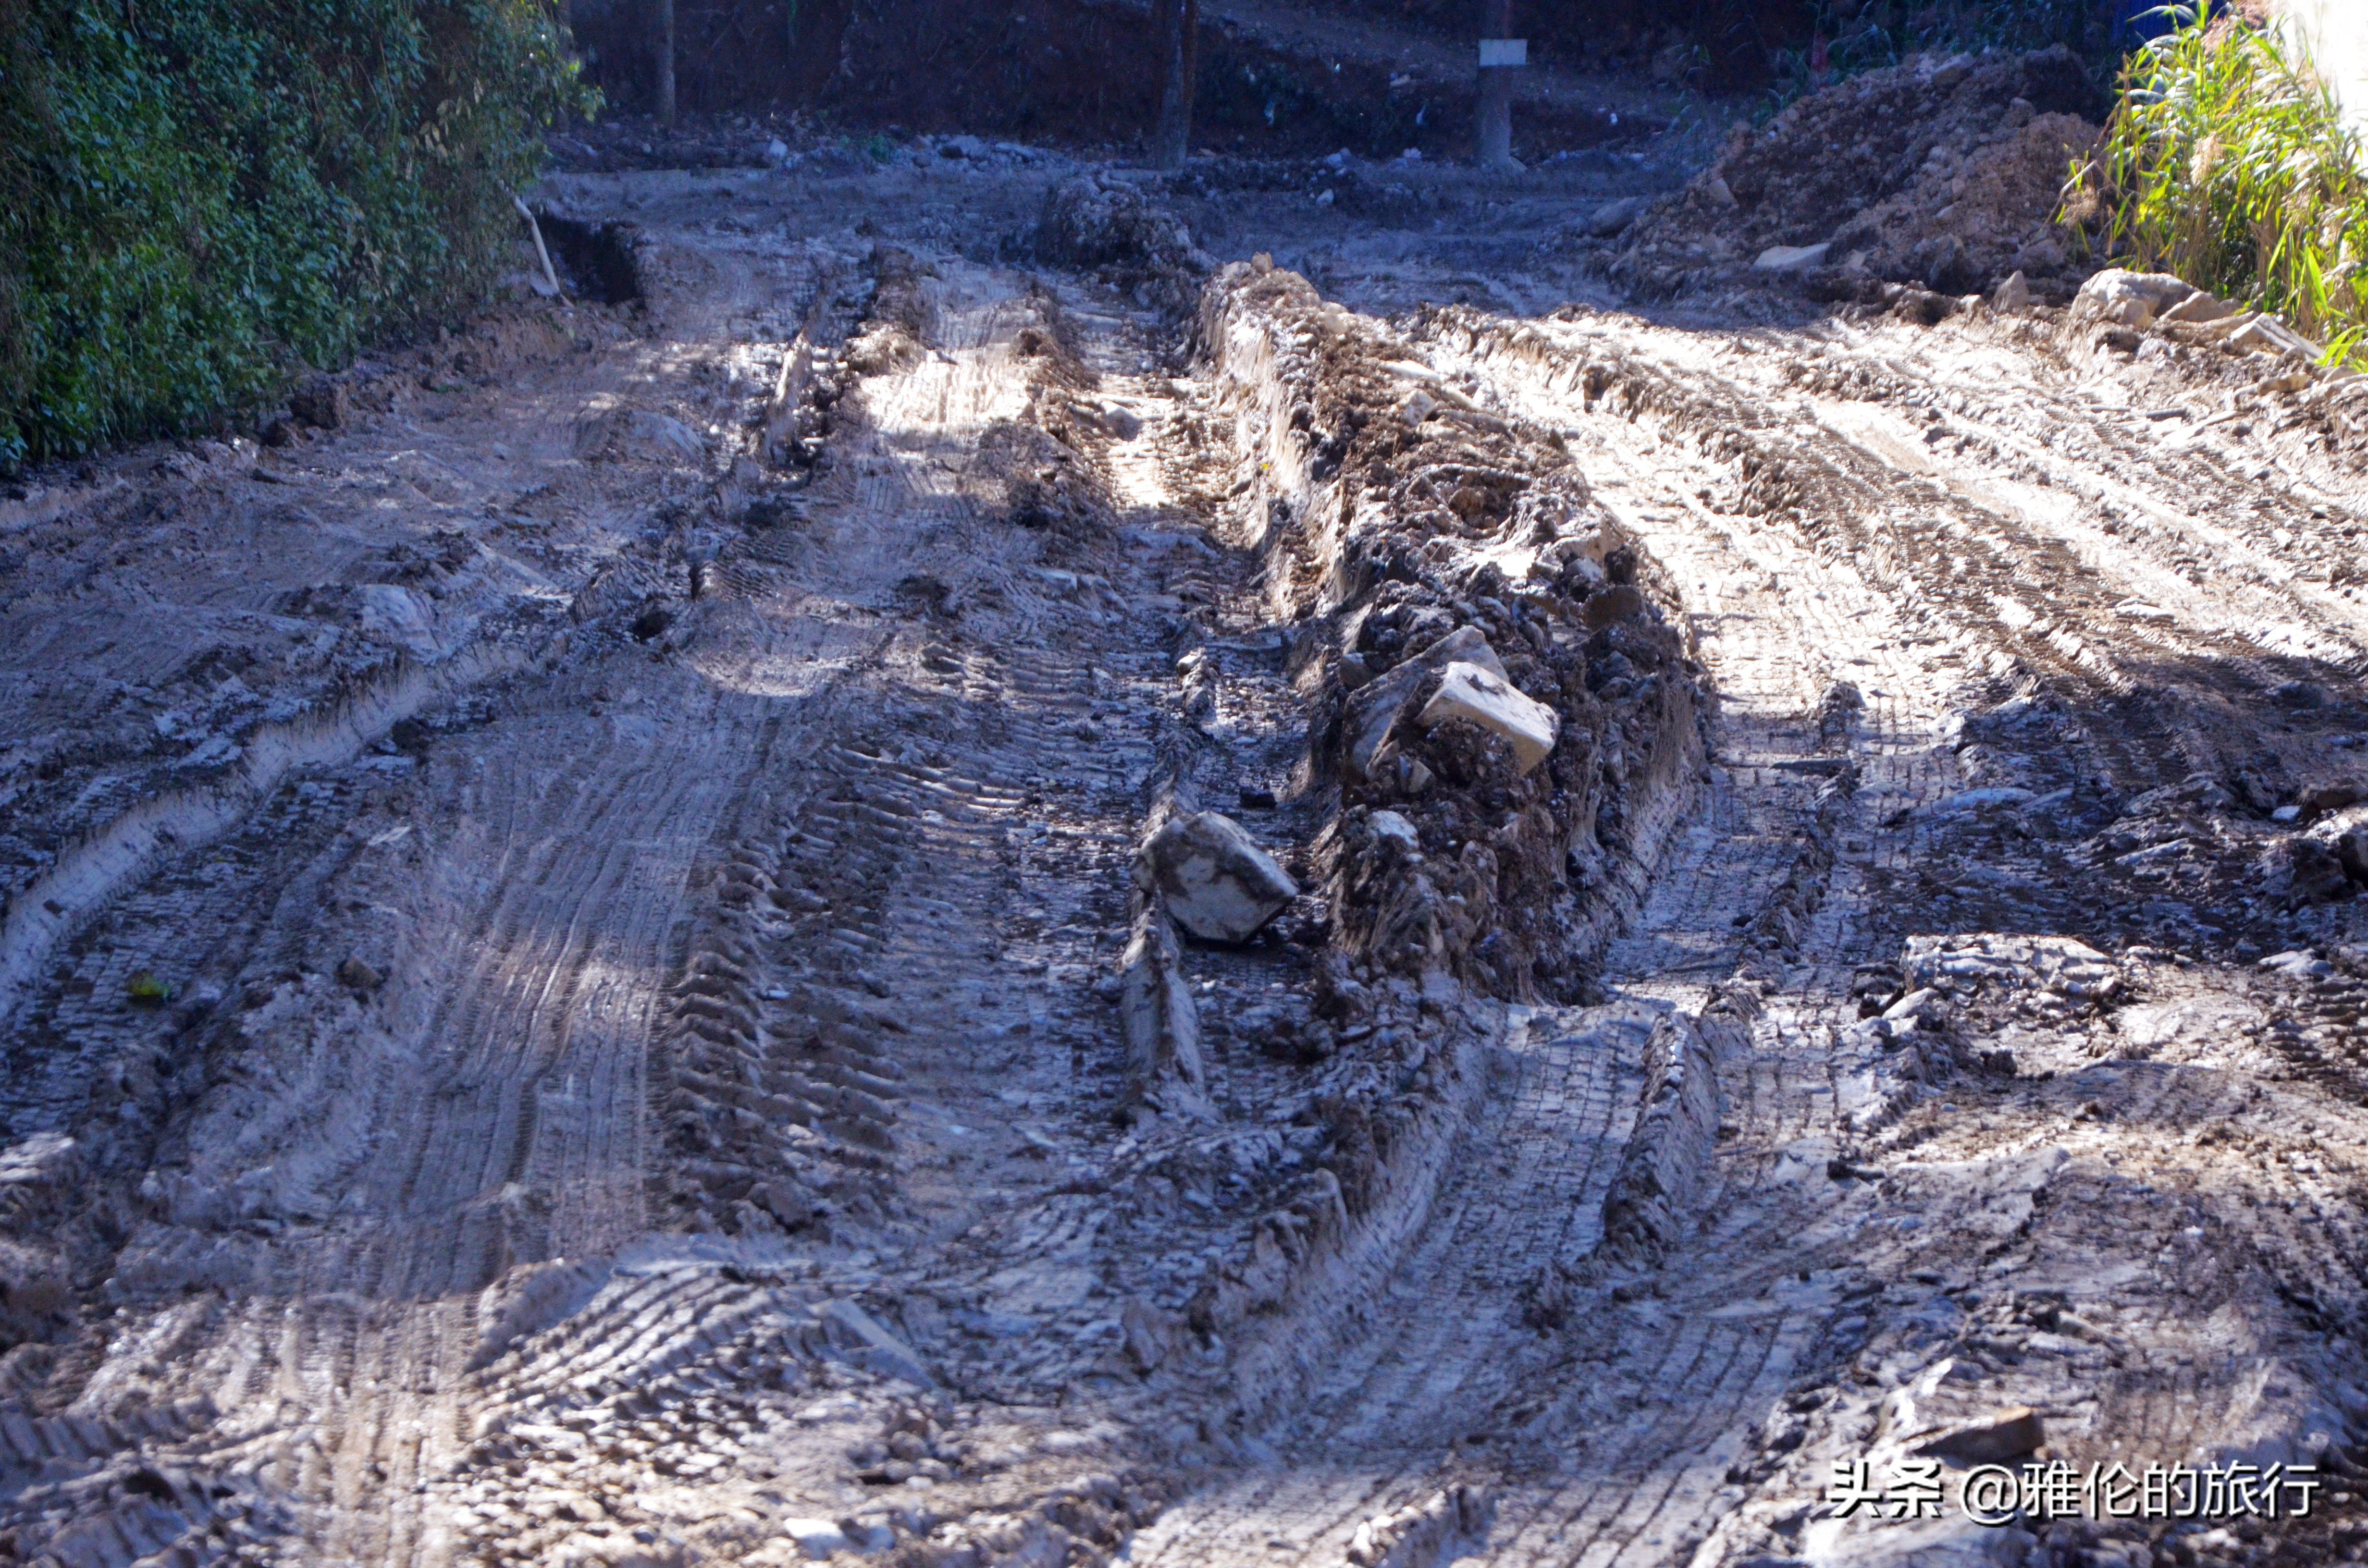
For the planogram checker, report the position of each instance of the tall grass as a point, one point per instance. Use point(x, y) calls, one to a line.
point(2228, 165)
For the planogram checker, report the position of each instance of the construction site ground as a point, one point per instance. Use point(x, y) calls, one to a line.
point(570, 923)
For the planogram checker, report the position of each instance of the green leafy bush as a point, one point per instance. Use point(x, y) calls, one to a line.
point(197, 197)
point(2229, 165)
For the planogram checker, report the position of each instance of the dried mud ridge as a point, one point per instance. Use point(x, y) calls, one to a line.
point(601, 958)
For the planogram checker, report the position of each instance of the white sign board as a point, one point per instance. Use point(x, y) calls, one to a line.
point(1504, 51)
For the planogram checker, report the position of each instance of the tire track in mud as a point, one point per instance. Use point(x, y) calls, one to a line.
point(1819, 620)
point(721, 1131)
point(1449, 1359)
point(501, 1094)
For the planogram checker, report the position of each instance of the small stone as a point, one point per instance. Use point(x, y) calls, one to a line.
point(1479, 697)
point(1218, 883)
point(1613, 217)
point(2200, 309)
point(358, 976)
point(816, 1538)
point(1791, 259)
point(2014, 294)
point(1718, 192)
point(1613, 606)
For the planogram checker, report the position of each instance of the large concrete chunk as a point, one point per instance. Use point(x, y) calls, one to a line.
point(1218, 884)
point(1374, 711)
point(1479, 697)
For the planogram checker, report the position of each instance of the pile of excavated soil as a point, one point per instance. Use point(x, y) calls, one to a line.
point(1942, 172)
point(1412, 531)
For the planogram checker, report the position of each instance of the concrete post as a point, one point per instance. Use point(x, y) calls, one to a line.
point(665, 61)
point(1498, 56)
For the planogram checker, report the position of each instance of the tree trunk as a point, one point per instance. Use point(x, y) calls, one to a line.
point(665, 61)
point(1495, 128)
point(1178, 25)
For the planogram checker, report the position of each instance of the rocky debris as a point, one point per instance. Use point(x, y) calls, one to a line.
point(1161, 1021)
point(1958, 965)
point(1668, 1155)
point(897, 322)
point(1419, 1532)
point(1046, 468)
point(1214, 879)
point(1376, 706)
point(1107, 226)
point(1942, 173)
point(1425, 530)
point(1473, 695)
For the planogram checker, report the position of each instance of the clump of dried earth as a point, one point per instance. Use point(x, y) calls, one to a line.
point(1001, 860)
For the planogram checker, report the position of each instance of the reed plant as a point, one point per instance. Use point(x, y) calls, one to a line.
point(2228, 163)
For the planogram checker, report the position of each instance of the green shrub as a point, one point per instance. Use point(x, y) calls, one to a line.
point(199, 195)
point(2229, 165)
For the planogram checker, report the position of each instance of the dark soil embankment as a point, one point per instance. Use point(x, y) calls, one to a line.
point(1941, 174)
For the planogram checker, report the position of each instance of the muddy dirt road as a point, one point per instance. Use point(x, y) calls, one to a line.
point(581, 984)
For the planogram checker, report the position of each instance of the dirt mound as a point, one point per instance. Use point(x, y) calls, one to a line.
point(1944, 173)
point(1107, 226)
point(1420, 536)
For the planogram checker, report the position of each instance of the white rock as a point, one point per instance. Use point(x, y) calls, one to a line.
point(1791, 259)
point(2014, 294)
point(1389, 825)
point(2200, 309)
point(2131, 298)
point(1483, 698)
point(1374, 711)
point(816, 1538)
point(1218, 884)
